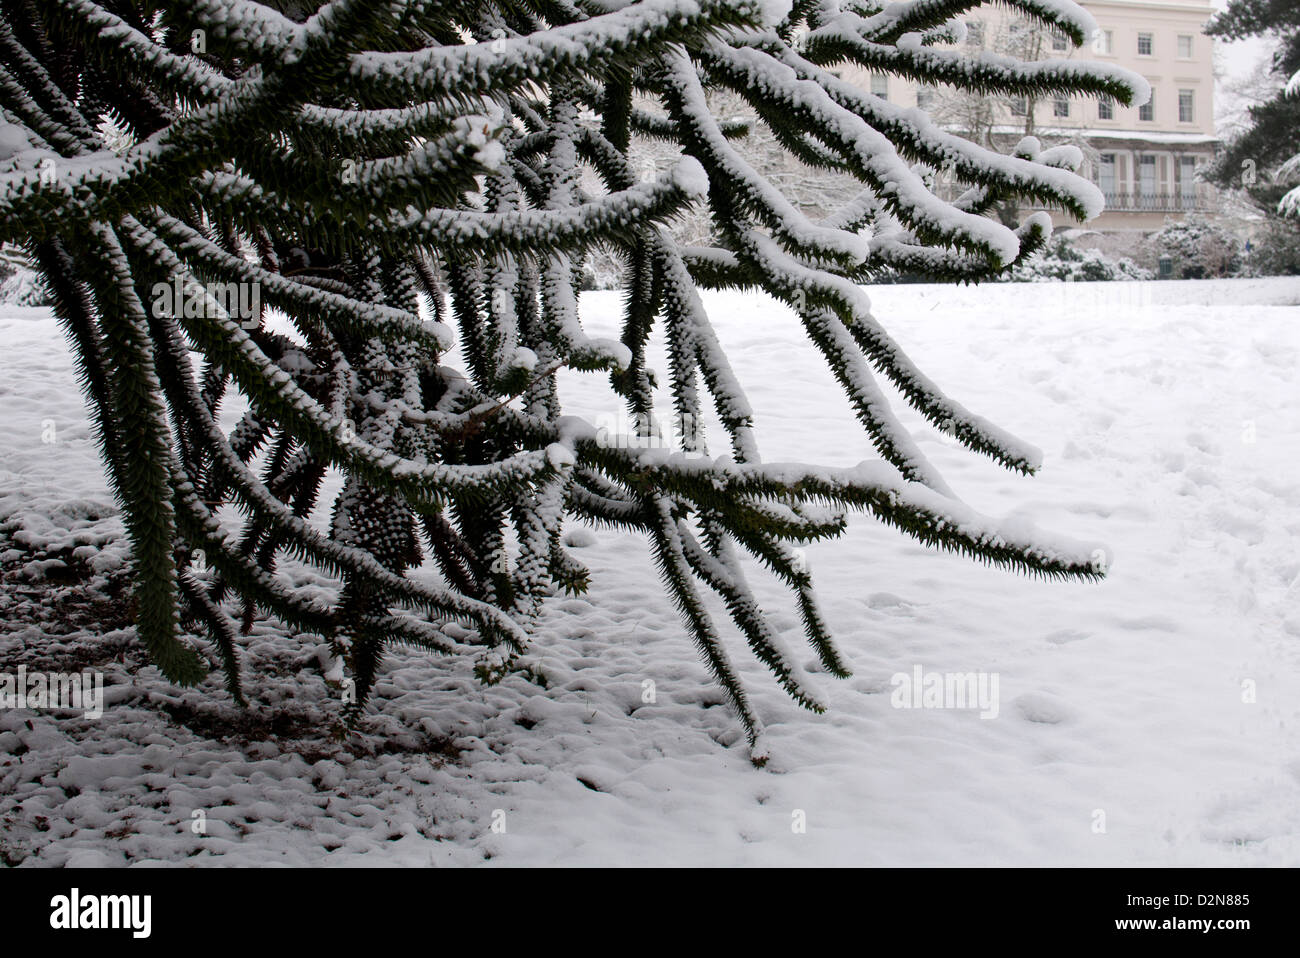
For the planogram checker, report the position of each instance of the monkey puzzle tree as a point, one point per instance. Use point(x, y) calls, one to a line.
point(390, 179)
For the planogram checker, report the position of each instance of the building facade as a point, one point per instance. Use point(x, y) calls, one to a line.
point(1144, 158)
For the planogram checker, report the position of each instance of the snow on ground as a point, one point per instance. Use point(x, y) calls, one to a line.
point(1169, 415)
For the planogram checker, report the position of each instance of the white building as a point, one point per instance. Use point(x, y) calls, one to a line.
point(1145, 159)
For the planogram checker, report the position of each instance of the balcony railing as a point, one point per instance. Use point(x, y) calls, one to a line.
point(1141, 201)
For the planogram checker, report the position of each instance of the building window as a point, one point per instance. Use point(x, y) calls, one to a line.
point(1147, 111)
point(1104, 42)
point(880, 86)
point(1184, 46)
point(1147, 181)
point(922, 97)
point(1166, 267)
point(1145, 44)
point(1019, 106)
point(975, 33)
point(1059, 42)
point(1061, 107)
point(1105, 108)
point(1187, 182)
point(1106, 175)
point(1185, 110)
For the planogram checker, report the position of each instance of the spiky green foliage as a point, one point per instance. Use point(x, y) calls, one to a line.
point(394, 177)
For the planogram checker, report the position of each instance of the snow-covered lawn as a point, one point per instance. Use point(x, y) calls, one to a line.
point(1169, 416)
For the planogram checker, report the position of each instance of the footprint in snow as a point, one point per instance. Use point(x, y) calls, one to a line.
point(1202, 443)
point(579, 539)
point(889, 603)
point(1043, 709)
point(1067, 635)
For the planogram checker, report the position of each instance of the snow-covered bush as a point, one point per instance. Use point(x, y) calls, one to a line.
point(20, 285)
point(1196, 248)
point(602, 269)
point(1061, 261)
point(23, 287)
